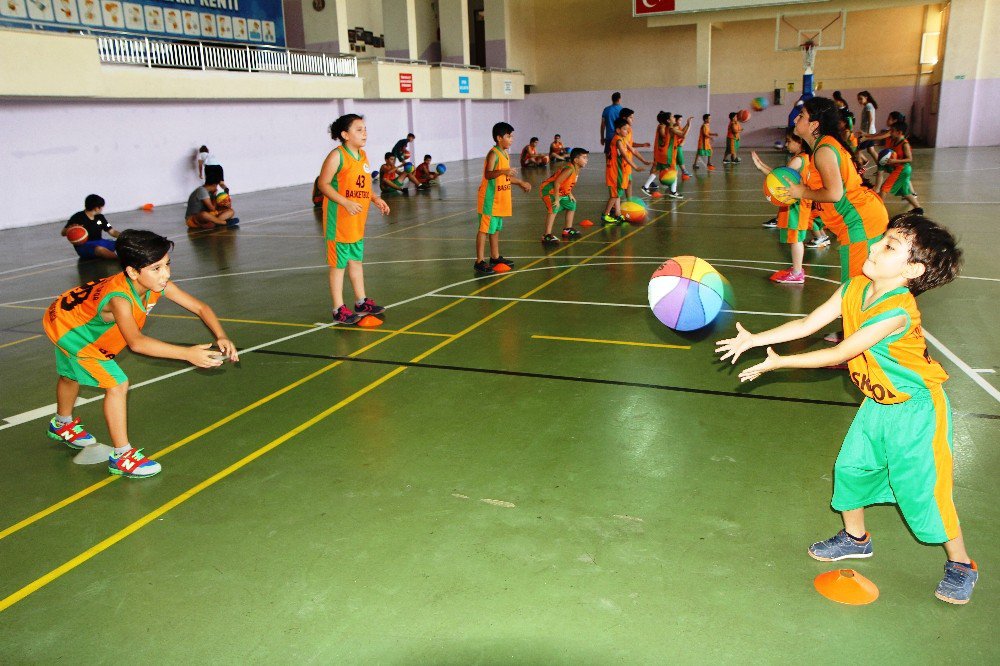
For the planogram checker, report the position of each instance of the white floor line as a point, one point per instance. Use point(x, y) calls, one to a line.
point(963, 366)
point(47, 263)
point(984, 371)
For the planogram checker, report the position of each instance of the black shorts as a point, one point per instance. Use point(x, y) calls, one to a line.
point(865, 145)
point(213, 173)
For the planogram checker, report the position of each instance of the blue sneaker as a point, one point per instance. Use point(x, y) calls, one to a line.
point(73, 434)
point(841, 547)
point(959, 579)
point(132, 464)
point(233, 222)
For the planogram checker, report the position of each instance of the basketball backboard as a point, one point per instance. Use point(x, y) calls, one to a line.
point(827, 31)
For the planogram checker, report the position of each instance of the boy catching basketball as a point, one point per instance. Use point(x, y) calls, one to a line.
point(898, 450)
point(94, 322)
point(495, 200)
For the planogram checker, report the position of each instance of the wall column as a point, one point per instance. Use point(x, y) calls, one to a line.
point(970, 77)
point(400, 26)
point(703, 59)
point(495, 12)
point(454, 21)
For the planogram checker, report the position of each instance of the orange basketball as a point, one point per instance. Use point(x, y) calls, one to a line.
point(743, 115)
point(77, 235)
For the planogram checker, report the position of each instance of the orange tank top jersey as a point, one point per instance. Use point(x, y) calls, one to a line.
point(731, 130)
point(557, 147)
point(661, 145)
point(704, 140)
point(76, 324)
point(899, 365)
point(494, 195)
point(352, 181)
point(618, 170)
point(859, 215)
point(567, 185)
point(628, 136)
point(799, 214)
point(898, 153)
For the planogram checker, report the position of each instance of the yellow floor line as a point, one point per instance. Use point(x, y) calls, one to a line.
point(611, 342)
point(100, 547)
point(17, 342)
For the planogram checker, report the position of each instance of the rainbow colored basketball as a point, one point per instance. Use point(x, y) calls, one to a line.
point(743, 115)
point(223, 200)
point(634, 211)
point(77, 235)
point(776, 181)
point(408, 167)
point(668, 177)
point(686, 293)
point(758, 103)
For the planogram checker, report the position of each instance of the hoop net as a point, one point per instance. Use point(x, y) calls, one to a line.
point(808, 56)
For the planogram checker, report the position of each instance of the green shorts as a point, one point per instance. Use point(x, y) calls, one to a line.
point(490, 224)
point(99, 372)
point(344, 252)
point(680, 157)
point(901, 454)
point(557, 205)
point(704, 152)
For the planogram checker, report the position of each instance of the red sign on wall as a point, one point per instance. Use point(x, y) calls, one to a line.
point(643, 7)
point(405, 82)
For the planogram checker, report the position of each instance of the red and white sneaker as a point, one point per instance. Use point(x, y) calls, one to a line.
point(74, 435)
point(788, 276)
point(132, 464)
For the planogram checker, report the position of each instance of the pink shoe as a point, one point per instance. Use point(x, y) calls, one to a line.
point(789, 277)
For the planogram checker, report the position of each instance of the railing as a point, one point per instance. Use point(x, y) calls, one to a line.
point(202, 55)
point(123, 48)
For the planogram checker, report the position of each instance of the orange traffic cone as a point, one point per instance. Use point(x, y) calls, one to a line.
point(501, 268)
point(147, 207)
point(846, 586)
point(370, 321)
point(586, 223)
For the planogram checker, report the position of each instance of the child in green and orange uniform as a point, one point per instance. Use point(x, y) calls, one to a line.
point(628, 115)
point(94, 322)
point(665, 152)
point(854, 213)
point(733, 132)
point(899, 168)
point(705, 142)
point(618, 173)
point(557, 194)
point(345, 181)
point(494, 200)
point(680, 144)
point(793, 220)
point(898, 450)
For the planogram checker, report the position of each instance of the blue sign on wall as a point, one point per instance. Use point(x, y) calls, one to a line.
point(244, 21)
point(463, 84)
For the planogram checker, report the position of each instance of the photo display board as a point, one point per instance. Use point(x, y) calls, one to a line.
point(244, 21)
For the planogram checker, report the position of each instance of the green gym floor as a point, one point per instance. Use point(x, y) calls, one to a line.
point(523, 469)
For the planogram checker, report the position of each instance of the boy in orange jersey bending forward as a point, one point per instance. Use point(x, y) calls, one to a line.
point(898, 450)
point(92, 323)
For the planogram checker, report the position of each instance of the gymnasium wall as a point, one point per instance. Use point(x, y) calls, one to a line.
point(133, 152)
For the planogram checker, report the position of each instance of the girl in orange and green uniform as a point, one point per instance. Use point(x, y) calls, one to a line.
point(345, 181)
point(664, 151)
point(705, 135)
point(854, 213)
point(557, 195)
point(899, 168)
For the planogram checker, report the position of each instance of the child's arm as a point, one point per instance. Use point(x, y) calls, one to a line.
point(492, 171)
point(380, 203)
point(326, 173)
point(793, 330)
point(865, 338)
point(199, 355)
point(638, 155)
point(829, 169)
point(759, 163)
point(907, 156)
point(206, 314)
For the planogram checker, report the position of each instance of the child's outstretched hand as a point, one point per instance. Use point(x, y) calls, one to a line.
point(227, 348)
point(734, 347)
point(772, 362)
point(381, 205)
point(759, 163)
point(203, 356)
point(524, 185)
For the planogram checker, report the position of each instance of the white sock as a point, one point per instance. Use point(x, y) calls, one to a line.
point(673, 188)
point(649, 181)
point(63, 419)
point(122, 449)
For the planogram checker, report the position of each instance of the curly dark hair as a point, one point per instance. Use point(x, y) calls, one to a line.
point(931, 245)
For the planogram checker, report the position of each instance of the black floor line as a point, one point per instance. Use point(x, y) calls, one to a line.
point(567, 378)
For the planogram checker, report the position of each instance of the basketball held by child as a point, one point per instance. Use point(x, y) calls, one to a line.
point(223, 200)
point(634, 211)
point(668, 177)
point(408, 167)
point(758, 104)
point(77, 235)
point(885, 155)
point(686, 293)
point(743, 115)
point(440, 168)
point(776, 184)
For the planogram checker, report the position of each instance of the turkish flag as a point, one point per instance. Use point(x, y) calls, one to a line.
point(652, 6)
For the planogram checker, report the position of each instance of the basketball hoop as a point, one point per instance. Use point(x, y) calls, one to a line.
point(808, 56)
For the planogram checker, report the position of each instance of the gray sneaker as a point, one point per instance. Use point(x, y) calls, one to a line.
point(956, 586)
point(840, 547)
